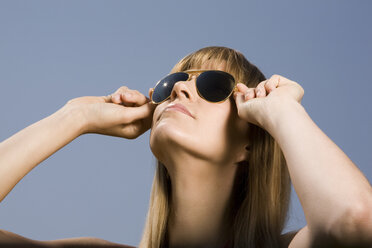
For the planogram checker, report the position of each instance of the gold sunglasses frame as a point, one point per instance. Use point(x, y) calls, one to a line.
point(196, 72)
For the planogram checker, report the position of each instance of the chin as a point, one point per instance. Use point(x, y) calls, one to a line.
point(165, 137)
point(172, 129)
point(168, 139)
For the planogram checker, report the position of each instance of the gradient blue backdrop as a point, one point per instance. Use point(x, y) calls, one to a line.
point(53, 51)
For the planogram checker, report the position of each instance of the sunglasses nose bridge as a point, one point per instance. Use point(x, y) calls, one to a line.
point(190, 77)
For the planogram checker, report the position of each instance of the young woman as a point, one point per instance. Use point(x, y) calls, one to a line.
point(228, 144)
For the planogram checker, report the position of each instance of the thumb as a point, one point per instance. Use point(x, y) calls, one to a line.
point(131, 114)
point(239, 98)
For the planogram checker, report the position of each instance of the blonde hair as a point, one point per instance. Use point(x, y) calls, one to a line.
point(261, 192)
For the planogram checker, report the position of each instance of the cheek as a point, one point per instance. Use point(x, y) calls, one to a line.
point(223, 124)
point(214, 123)
point(156, 115)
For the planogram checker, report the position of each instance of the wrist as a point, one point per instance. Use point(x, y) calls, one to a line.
point(280, 112)
point(75, 118)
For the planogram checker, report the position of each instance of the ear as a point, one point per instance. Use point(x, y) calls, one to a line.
point(247, 152)
point(244, 154)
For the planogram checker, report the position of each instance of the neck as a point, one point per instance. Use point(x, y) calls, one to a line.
point(200, 199)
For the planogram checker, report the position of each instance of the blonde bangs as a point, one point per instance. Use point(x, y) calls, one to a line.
point(236, 64)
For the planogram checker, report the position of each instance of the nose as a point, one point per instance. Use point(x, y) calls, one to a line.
point(182, 90)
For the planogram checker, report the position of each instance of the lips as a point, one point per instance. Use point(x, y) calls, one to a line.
point(179, 107)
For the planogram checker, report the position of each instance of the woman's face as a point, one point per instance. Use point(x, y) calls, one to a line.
point(214, 132)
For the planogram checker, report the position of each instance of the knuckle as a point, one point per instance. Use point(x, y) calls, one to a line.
point(122, 89)
point(302, 90)
point(270, 85)
point(299, 86)
point(275, 76)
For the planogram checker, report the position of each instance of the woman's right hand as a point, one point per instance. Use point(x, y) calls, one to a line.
point(119, 115)
point(127, 113)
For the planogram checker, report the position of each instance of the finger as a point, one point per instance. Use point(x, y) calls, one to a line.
point(242, 87)
point(122, 89)
point(270, 86)
point(129, 97)
point(115, 98)
point(130, 115)
point(107, 99)
point(134, 97)
point(272, 83)
point(239, 98)
point(260, 89)
point(125, 102)
point(249, 94)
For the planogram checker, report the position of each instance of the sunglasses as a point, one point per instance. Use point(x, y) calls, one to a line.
point(211, 85)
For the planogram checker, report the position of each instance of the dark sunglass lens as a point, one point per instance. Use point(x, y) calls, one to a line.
point(164, 88)
point(215, 86)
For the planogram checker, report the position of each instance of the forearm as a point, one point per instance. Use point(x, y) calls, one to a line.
point(20, 153)
point(9, 239)
point(331, 189)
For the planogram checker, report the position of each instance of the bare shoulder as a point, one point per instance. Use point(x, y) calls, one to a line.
point(286, 238)
point(9, 239)
point(297, 238)
point(83, 242)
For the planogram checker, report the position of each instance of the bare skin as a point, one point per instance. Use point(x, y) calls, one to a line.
point(9, 239)
point(122, 116)
point(202, 173)
point(202, 170)
point(200, 154)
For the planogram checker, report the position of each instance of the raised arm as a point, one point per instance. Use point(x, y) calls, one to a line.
point(116, 115)
point(11, 240)
point(126, 117)
point(23, 151)
point(336, 197)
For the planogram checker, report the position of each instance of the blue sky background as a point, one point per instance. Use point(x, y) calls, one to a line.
point(53, 51)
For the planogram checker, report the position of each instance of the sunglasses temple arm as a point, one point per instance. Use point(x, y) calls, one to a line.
point(235, 89)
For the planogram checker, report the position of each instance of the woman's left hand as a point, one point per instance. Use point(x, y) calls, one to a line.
point(254, 104)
